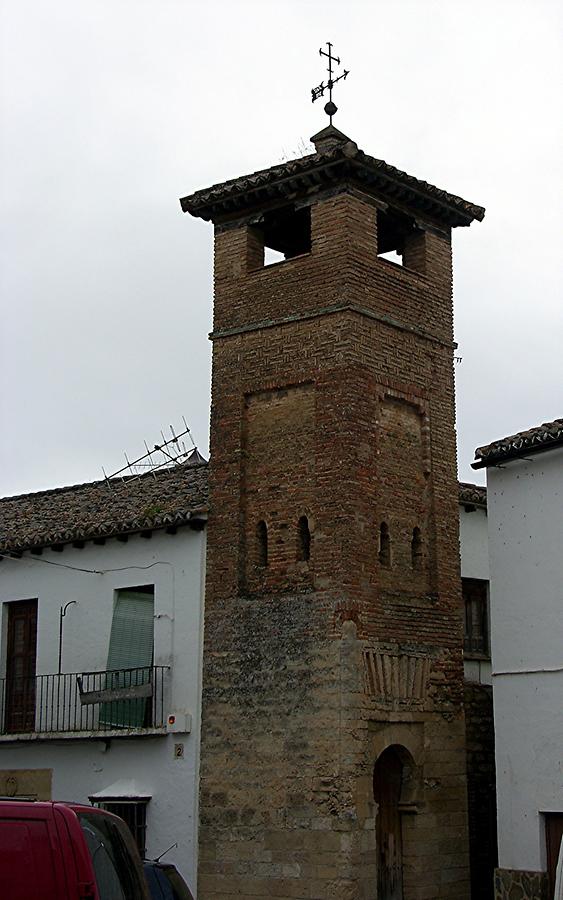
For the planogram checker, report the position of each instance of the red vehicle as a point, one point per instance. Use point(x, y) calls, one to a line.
point(65, 851)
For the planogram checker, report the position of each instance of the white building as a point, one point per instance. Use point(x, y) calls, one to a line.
point(474, 556)
point(112, 714)
point(525, 496)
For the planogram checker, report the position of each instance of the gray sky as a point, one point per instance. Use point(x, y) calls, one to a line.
point(114, 109)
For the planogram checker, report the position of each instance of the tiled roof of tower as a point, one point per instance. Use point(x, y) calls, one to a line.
point(335, 161)
point(534, 440)
point(472, 494)
point(80, 512)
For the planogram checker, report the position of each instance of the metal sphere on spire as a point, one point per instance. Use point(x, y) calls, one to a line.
point(330, 107)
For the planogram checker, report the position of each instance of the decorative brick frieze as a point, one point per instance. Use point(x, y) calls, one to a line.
point(397, 676)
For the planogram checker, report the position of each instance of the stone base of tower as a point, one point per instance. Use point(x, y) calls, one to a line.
point(288, 805)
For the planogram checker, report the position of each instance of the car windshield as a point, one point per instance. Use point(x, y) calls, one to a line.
point(117, 877)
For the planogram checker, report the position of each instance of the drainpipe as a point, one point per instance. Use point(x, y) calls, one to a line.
point(62, 613)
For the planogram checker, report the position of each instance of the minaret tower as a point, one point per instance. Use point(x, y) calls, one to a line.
point(332, 753)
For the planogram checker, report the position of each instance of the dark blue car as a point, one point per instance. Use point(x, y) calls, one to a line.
point(165, 882)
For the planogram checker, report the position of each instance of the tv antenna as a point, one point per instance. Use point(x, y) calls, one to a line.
point(330, 107)
point(168, 453)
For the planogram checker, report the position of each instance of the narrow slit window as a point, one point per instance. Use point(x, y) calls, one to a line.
point(384, 545)
point(303, 540)
point(262, 544)
point(416, 549)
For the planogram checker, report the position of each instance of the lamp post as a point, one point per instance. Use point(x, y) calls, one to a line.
point(62, 614)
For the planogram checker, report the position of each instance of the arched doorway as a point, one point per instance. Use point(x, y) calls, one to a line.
point(388, 780)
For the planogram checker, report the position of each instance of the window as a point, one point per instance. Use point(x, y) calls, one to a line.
point(384, 545)
point(303, 540)
point(130, 658)
point(282, 234)
point(262, 544)
point(475, 600)
point(416, 549)
point(133, 811)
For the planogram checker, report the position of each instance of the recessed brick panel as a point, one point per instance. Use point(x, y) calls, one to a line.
point(278, 483)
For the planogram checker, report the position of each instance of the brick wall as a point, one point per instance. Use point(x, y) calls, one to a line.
point(332, 397)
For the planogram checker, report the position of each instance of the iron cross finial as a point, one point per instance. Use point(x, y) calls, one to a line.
point(330, 107)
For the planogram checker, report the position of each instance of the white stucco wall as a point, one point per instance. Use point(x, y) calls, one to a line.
point(525, 500)
point(474, 555)
point(175, 565)
point(474, 543)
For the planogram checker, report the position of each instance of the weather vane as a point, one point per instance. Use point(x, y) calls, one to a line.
point(330, 107)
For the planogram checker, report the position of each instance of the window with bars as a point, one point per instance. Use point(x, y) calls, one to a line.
point(133, 811)
point(476, 609)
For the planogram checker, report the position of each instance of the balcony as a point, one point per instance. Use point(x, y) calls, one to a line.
point(117, 703)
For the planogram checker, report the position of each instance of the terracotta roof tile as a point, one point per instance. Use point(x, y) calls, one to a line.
point(472, 494)
point(534, 440)
point(329, 165)
point(99, 509)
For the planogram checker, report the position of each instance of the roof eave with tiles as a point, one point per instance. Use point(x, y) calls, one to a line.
point(101, 509)
point(535, 440)
point(335, 162)
point(472, 494)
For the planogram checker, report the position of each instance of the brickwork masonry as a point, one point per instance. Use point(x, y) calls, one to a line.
point(332, 399)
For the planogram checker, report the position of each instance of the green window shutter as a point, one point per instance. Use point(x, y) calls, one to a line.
point(130, 647)
point(132, 630)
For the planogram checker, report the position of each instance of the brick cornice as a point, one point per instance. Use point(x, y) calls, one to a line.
point(327, 311)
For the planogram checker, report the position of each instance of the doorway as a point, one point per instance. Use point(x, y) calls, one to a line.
point(387, 788)
point(20, 668)
point(553, 841)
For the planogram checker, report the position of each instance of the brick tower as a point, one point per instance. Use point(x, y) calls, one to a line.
point(332, 755)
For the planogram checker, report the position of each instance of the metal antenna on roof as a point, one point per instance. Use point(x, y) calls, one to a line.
point(168, 453)
point(330, 107)
point(189, 432)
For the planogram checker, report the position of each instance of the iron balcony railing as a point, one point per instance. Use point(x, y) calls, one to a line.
point(119, 700)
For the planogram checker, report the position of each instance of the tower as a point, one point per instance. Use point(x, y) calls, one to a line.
point(332, 756)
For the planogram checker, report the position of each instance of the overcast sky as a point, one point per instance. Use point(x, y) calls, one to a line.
point(115, 108)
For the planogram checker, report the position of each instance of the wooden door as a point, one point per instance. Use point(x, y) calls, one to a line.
point(20, 670)
point(553, 837)
point(387, 781)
